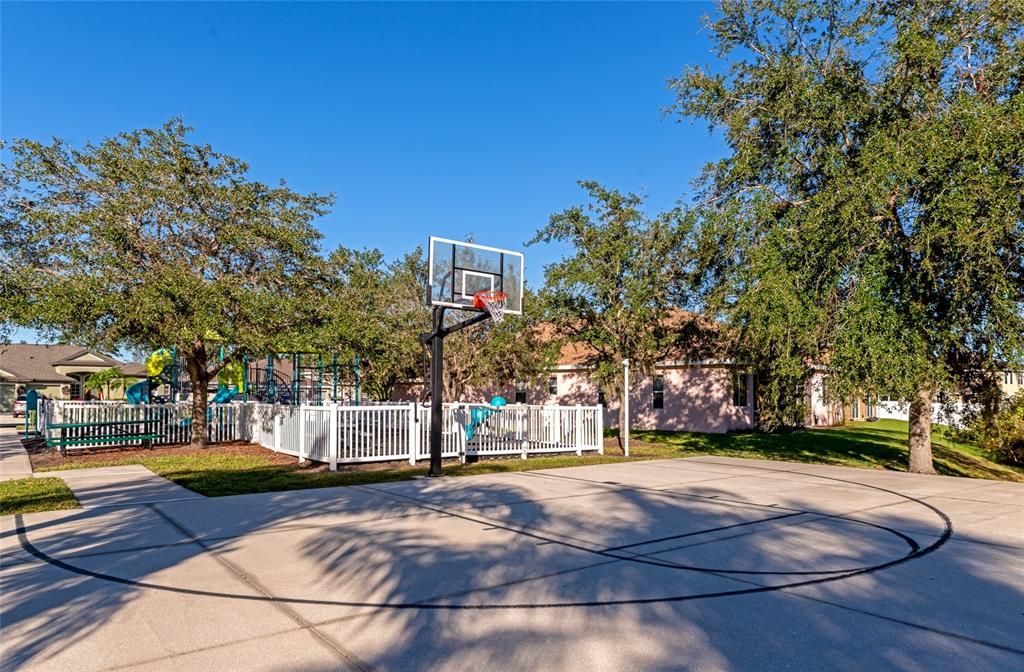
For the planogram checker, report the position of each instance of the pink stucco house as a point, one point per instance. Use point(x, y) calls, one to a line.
point(680, 395)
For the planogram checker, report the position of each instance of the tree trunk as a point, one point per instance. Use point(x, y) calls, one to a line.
point(920, 435)
point(622, 420)
point(200, 380)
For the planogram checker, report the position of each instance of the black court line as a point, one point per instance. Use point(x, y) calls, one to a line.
point(822, 576)
point(639, 559)
point(673, 537)
point(289, 527)
point(337, 650)
point(436, 606)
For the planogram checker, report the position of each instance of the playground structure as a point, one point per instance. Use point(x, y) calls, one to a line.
point(279, 378)
point(302, 378)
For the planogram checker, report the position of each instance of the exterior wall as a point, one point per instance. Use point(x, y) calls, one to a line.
point(821, 413)
point(51, 390)
point(7, 395)
point(696, 399)
point(1012, 382)
point(84, 367)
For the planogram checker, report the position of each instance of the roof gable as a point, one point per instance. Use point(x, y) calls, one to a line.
point(29, 362)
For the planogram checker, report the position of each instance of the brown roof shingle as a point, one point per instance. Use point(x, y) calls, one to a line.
point(34, 362)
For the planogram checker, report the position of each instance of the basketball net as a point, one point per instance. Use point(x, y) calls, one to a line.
point(492, 302)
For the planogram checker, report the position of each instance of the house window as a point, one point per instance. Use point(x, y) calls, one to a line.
point(855, 409)
point(520, 393)
point(659, 392)
point(1008, 377)
point(739, 390)
point(76, 386)
point(600, 397)
point(1020, 377)
point(553, 385)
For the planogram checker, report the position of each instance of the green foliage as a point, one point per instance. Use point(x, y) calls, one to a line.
point(616, 290)
point(1002, 434)
point(869, 212)
point(107, 379)
point(517, 349)
point(377, 311)
point(26, 495)
point(145, 240)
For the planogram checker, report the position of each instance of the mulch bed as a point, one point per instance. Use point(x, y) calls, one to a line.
point(51, 457)
point(43, 457)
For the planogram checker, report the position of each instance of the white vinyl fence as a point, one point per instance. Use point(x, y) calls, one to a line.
point(383, 433)
point(332, 433)
point(106, 424)
point(952, 415)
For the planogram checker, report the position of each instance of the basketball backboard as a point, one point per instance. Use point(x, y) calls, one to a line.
point(457, 271)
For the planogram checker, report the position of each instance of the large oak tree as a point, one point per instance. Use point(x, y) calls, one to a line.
point(870, 211)
point(616, 289)
point(146, 240)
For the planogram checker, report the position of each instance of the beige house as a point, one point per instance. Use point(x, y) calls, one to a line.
point(1012, 382)
point(57, 371)
point(822, 413)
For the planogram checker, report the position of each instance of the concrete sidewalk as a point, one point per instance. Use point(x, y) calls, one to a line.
point(129, 485)
point(14, 462)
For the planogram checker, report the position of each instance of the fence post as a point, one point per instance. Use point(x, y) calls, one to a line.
point(333, 440)
point(599, 423)
point(524, 445)
point(302, 433)
point(579, 429)
point(413, 433)
point(278, 419)
point(460, 430)
point(237, 407)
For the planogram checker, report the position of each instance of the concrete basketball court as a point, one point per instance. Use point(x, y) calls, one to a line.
point(690, 564)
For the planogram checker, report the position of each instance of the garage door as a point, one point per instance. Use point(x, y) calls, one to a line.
point(6, 397)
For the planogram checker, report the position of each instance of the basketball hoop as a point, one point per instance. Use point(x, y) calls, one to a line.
point(493, 302)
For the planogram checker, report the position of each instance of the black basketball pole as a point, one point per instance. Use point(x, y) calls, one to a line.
point(436, 391)
point(436, 341)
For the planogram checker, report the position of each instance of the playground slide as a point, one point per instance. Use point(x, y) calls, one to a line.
point(138, 393)
point(224, 395)
point(478, 416)
point(156, 364)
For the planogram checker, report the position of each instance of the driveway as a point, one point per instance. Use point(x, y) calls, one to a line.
point(701, 563)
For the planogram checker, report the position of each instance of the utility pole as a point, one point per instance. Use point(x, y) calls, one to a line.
point(625, 400)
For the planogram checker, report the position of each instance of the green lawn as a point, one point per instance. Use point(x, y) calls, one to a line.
point(875, 445)
point(216, 475)
point(26, 495)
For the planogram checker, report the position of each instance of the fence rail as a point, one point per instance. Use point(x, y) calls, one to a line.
point(170, 423)
point(385, 433)
point(337, 434)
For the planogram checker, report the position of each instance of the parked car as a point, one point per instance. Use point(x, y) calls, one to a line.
point(20, 403)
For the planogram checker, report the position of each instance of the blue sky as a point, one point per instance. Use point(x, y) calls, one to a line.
point(444, 119)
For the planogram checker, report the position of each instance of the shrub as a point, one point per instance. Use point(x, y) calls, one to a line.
point(1003, 435)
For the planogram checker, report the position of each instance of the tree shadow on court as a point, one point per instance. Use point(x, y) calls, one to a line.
point(718, 629)
point(376, 570)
